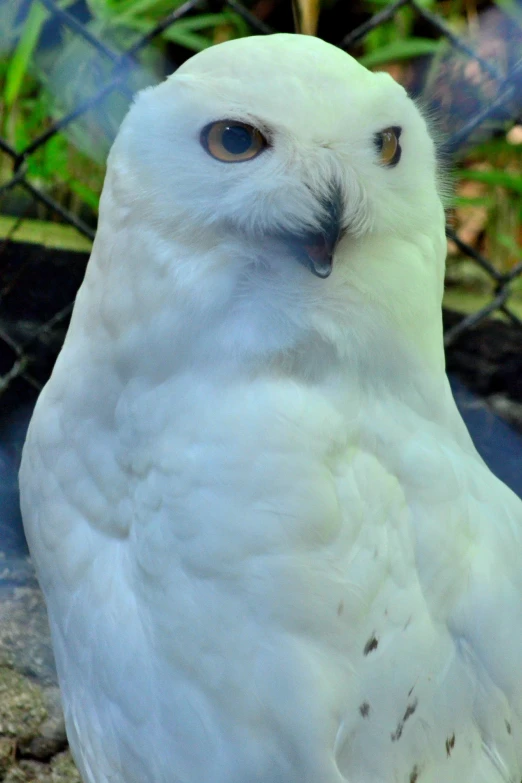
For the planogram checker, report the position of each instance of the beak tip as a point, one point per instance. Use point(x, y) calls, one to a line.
point(319, 255)
point(321, 268)
point(315, 250)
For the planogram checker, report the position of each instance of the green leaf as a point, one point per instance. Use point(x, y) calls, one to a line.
point(19, 63)
point(507, 241)
point(379, 37)
point(201, 22)
point(188, 39)
point(87, 194)
point(400, 50)
point(55, 155)
point(495, 178)
point(241, 26)
point(468, 201)
point(123, 11)
point(379, 4)
point(41, 232)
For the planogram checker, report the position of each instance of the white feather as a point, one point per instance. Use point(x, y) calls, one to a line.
point(269, 550)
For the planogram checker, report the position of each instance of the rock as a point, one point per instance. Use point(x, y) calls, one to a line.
point(32, 732)
point(60, 770)
point(7, 754)
point(51, 738)
point(25, 641)
point(63, 769)
point(22, 706)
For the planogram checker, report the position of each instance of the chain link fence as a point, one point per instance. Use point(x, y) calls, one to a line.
point(36, 298)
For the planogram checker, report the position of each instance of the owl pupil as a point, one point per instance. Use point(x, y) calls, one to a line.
point(236, 139)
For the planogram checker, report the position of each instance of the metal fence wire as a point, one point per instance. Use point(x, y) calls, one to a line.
point(28, 345)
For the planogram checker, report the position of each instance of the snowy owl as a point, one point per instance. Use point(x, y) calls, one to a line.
point(269, 550)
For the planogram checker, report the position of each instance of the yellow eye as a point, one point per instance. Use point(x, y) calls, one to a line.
point(231, 141)
point(387, 143)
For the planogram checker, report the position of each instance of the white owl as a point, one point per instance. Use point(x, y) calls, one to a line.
point(269, 550)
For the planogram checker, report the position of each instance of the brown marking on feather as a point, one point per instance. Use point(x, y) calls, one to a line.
point(371, 644)
point(414, 774)
point(364, 709)
point(410, 709)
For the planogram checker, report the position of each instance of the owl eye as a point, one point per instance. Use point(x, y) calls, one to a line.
point(231, 141)
point(388, 147)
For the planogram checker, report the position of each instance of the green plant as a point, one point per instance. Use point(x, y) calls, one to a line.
point(194, 32)
point(70, 164)
point(497, 165)
point(395, 40)
point(31, 99)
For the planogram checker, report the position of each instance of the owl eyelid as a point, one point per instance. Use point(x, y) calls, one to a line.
point(258, 126)
point(395, 128)
point(232, 121)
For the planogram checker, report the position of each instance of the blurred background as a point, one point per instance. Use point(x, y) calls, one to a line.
point(68, 70)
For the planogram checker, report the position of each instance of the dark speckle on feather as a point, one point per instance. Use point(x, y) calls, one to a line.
point(450, 744)
point(371, 644)
point(340, 608)
point(410, 709)
point(508, 727)
point(364, 709)
point(414, 774)
point(397, 734)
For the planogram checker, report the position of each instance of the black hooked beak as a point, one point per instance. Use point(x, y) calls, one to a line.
point(316, 250)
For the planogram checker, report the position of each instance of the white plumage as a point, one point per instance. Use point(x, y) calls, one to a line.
point(269, 549)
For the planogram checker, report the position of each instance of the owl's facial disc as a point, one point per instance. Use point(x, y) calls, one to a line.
point(233, 141)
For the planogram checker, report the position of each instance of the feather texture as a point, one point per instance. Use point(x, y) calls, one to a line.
point(269, 549)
